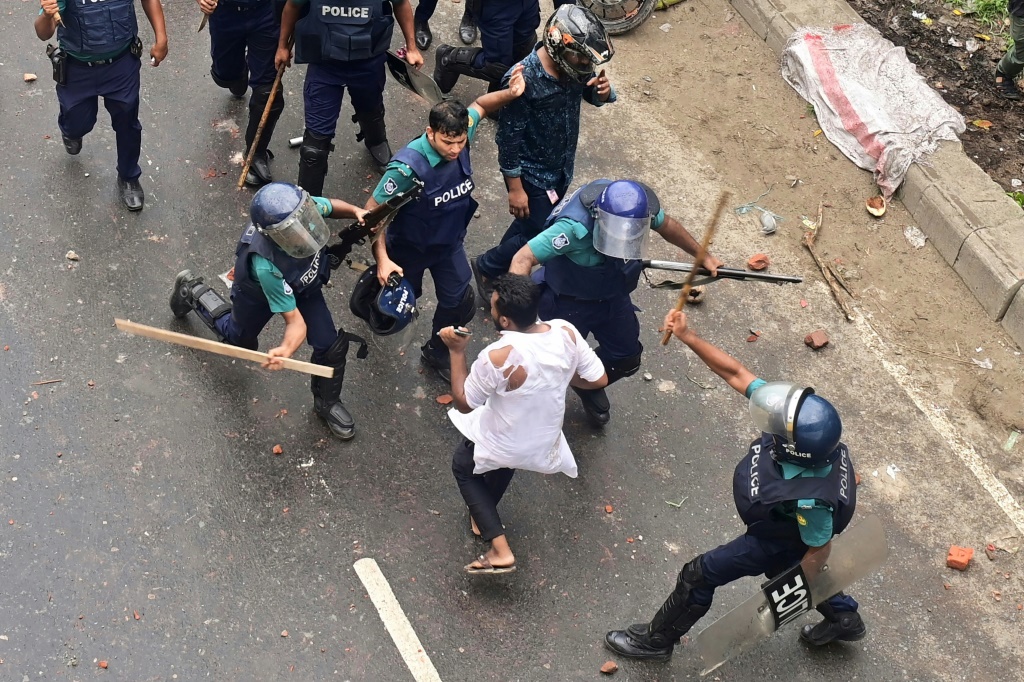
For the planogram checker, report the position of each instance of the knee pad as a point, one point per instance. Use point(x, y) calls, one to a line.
point(238, 84)
point(209, 305)
point(372, 128)
point(620, 367)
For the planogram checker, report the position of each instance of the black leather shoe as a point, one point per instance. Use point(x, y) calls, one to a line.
point(1006, 86)
point(443, 75)
point(381, 154)
point(467, 29)
point(438, 359)
point(72, 145)
point(848, 627)
point(181, 295)
point(595, 404)
point(423, 35)
point(131, 193)
point(622, 643)
point(337, 417)
point(239, 87)
point(259, 170)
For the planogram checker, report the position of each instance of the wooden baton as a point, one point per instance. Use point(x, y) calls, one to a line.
point(698, 260)
point(228, 350)
point(263, 122)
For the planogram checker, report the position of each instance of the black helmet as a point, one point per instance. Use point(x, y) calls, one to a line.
point(577, 31)
point(387, 310)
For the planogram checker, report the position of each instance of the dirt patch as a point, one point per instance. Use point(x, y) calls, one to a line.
point(965, 80)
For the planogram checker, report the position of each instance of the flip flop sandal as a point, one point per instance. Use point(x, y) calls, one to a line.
point(486, 568)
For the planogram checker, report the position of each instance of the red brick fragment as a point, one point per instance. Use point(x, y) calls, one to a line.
point(817, 339)
point(959, 557)
point(759, 261)
point(609, 668)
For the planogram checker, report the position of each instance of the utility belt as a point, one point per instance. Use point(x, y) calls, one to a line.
point(59, 59)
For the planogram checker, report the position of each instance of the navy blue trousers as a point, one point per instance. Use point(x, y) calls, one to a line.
point(496, 261)
point(241, 38)
point(748, 555)
point(613, 322)
point(503, 25)
point(249, 315)
point(425, 9)
point(326, 84)
point(449, 268)
point(118, 84)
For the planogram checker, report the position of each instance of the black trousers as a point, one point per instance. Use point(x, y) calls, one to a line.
point(482, 492)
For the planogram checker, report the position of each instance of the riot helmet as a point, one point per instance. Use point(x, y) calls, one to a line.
point(286, 214)
point(388, 309)
point(577, 42)
point(623, 219)
point(807, 427)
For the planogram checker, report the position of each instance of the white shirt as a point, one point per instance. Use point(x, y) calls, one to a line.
point(522, 428)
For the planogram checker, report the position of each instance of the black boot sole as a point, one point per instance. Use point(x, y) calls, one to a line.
point(180, 306)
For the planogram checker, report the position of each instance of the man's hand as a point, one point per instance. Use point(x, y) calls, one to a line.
point(519, 203)
point(516, 82)
point(456, 344)
point(158, 53)
point(361, 214)
point(712, 264)
point(385, 267)
point(283, 57)
point(207, 6)
point(603, 85)
point(50, 8)
point(675, 322)
point(413, 56)
point(273, 362)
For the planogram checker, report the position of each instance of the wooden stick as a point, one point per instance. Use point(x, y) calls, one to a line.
point(219, 348)
point(808, 242)
point(698, 260)
point(47, 381)
point(263, 122)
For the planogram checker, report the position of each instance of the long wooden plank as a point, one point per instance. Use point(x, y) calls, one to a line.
point(210, 346)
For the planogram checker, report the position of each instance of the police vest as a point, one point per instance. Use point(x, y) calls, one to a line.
point(299, 273)
point(343, 31)
point(613, 278)
point(441, 214)
point(758, 487)
point(97, 26)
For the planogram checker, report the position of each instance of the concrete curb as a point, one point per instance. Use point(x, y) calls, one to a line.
point(966, 215)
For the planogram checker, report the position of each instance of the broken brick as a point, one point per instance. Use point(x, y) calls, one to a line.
point(959, 557)
point(609, 668)
point(608, 509)
point(278, 450)
point(817, 339)
point(758, 261)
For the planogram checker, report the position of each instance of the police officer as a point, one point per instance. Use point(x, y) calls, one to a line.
point(345, 44)
point(99, 55)
point(508, 31)
point(428, 232)
point(794, 490)
point(425, 10)
point(590, 247)
point(281, 266)
point(243, 44)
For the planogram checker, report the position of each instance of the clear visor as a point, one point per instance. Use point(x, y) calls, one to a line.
point(773, 407)
point(621, 237)
point(302, 233)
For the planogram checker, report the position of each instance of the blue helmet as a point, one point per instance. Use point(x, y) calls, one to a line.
point(287, 214)
point(387, 310)
point(625, 199)
point(622, 220)
point(806, 426)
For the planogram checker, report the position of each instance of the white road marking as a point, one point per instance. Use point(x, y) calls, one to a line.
point(956, 440)
point(395, 621)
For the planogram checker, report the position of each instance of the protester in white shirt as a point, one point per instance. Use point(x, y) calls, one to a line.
point(510, 407)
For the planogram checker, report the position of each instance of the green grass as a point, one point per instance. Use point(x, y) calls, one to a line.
point(1017, 196)
point(988, 12)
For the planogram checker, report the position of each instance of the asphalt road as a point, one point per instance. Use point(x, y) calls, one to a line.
point(148, 524)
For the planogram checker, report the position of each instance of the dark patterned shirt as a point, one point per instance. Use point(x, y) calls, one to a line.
point(538, 132)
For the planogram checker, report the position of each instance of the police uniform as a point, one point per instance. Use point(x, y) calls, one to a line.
point(243, 43)
point(428, 233)
point(589, 289)
point(345, 45)
point(267, 281)
point(787, 509)
point(100, 39)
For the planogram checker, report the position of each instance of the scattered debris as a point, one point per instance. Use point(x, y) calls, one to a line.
point(892, 470)
point(990, 551)
point(278, 450)
point(284, 633)
point(44, 381)
point(808, 242)
point(648, 376)
point(444, 399)
point(817, 339)
point(981, 123)
point(630, 540)
point(666, 27)
point(29, 77)
point(914, 236)
point(666, 386)
point(754, 336)
point(875, 206)
point(1011, 440)
point(759, 261)
point(695, 295)
point(953, 42)
point(137, 616)
point(972, 45)
point(102, 664)
point(610, 668)
point(803, 303)
point(959, 557)
point(608, 509)
point(71, 255)
point(984, 364)
point(90, 383)
point(678, 504)
point(768, 224)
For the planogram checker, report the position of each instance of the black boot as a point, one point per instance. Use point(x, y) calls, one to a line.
point(1007, 87)
point(451, 62)
point(72, 145)
point(484, 287)
point(435, 354)
point(238, 87)
point(595, 404)
point(191, 293)
point(624, 643)
point(313, 162)
point(467, 27)
point(423, 35)
point(374, 134)
point(327, 392)
point(181, 296)
point(131, 194)
point(259, 170)
point(846, 626)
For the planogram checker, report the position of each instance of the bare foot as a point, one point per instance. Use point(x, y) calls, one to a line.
point(474, 527)
point(493, 560)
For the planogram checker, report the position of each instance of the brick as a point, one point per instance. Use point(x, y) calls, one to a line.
point(759, 261)
point(959, 557)
point(817, 339)
point(609, 667)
